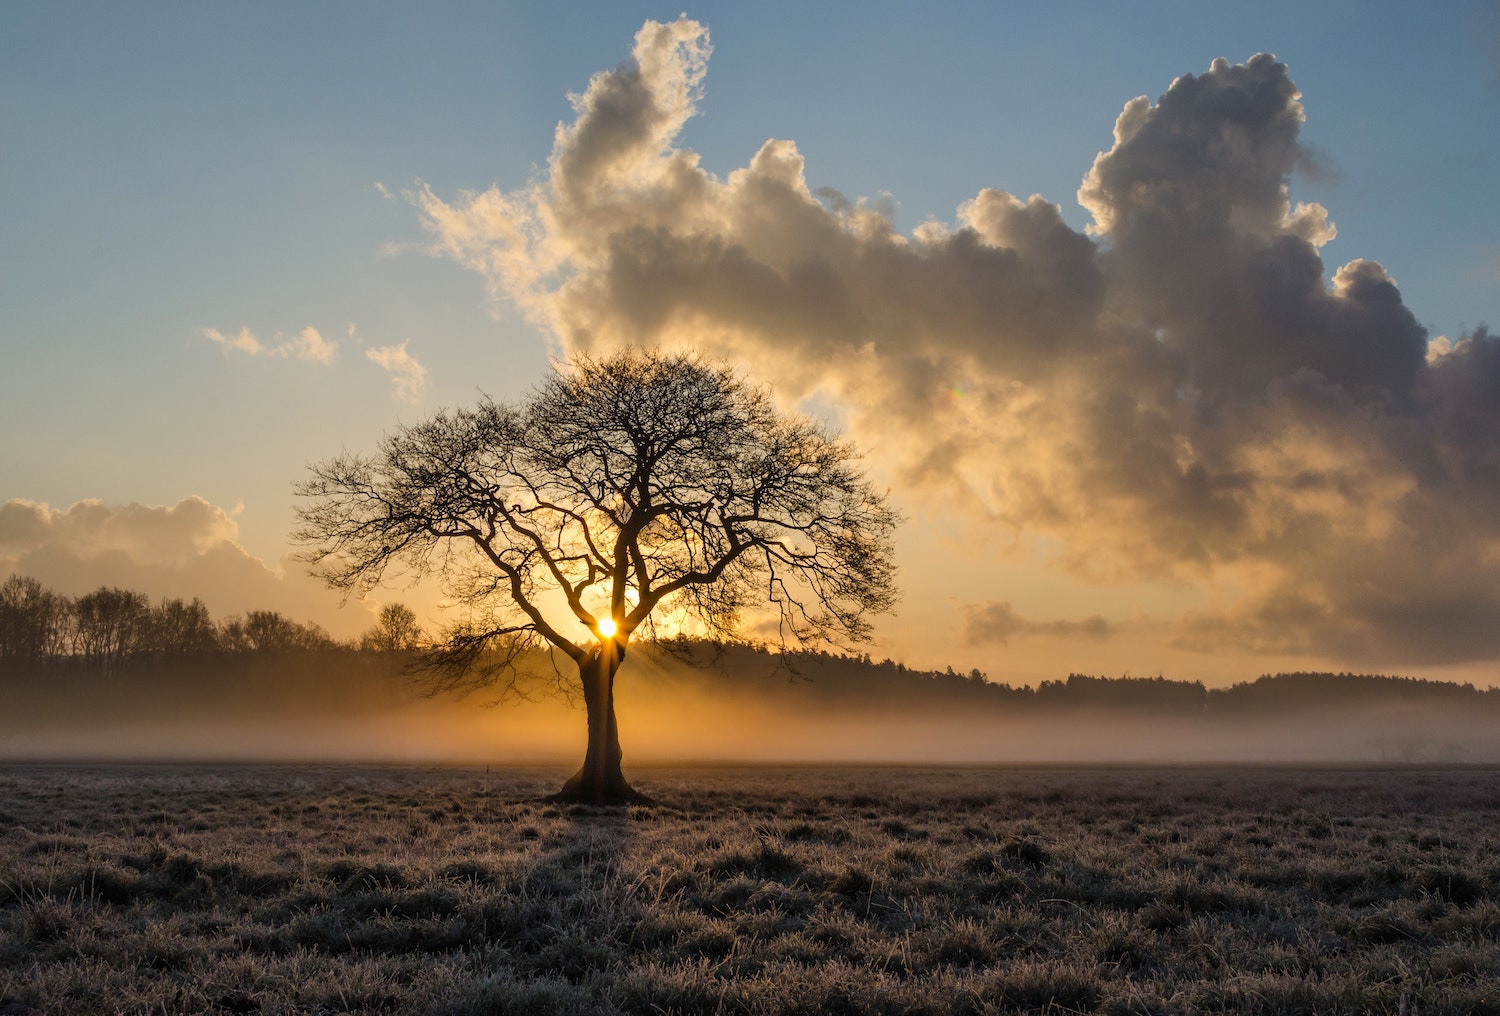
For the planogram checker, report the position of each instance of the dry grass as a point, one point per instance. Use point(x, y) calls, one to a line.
point(296, 889)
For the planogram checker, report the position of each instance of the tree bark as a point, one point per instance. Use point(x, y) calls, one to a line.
point(599, 780)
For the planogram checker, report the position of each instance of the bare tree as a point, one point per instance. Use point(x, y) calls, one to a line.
point(624, 492)
point(180, 629)
point(395, 630)
point(111, 626)
point(268, 631)
point(34, 620)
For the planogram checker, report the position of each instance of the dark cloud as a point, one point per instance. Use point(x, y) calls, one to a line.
point(1183, 391)
point(998, 622)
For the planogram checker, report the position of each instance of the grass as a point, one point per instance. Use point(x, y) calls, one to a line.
point(452, 891)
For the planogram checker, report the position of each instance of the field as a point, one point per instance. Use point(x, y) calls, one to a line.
point(278, 889)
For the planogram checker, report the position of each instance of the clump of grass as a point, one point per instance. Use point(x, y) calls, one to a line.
point(1449, 884)
point(766, 860)
point(1027, 852)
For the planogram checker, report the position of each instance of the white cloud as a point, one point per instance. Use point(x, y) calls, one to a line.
point(242, 342)
point(408, 376)
point(307, 344)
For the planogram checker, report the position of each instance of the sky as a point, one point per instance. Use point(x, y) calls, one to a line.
point(1166, 328)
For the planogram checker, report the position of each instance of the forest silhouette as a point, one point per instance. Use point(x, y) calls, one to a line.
point(78, 674)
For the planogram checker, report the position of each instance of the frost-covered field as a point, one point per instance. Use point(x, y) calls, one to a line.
point(299, 889)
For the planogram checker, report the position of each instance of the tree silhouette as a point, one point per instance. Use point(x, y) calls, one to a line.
point(34, 621)
point(395, 630)
point(182, 629)
point(624, 492)
point(268, 631)
point(110, 626)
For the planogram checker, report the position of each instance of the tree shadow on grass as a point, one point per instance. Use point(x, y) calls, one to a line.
point(573, 895)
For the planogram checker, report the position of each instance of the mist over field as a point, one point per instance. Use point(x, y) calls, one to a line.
point(744, 707)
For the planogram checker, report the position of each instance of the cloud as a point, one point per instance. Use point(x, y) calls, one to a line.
point(168, 535)
point(307, 344)
point(408, 376)
point(1181, 391)
point(998, 622)
point(242, 342)
point(190, 549)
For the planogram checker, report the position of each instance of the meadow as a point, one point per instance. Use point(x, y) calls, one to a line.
point(323, 889)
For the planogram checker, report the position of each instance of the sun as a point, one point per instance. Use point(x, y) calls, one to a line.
point(606, 627)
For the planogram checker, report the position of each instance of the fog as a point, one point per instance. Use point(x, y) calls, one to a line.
point(719, 734)
point(747, 711)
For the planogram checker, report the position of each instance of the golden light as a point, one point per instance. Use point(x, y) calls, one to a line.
point(607, 627)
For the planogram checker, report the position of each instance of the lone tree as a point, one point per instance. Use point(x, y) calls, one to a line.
point(625, 490)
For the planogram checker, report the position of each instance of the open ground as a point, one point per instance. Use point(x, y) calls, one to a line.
point(280, 889)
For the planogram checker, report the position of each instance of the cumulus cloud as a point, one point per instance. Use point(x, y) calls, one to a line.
point(308, 344)
point(190, 549)
point(242, 341)
point(408, 376)
point(998, 622)
point(171, 534)
point(1182, 390)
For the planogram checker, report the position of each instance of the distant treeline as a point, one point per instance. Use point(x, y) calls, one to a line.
point(116, 632)
point(855, 677)
point(111, 627)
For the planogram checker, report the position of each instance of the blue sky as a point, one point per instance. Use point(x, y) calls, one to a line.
point(172, 168)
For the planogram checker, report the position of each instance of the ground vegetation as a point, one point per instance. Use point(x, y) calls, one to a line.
point(984, 891)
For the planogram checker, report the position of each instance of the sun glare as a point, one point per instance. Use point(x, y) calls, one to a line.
point(607, 627)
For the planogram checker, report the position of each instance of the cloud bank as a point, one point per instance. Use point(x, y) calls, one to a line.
point(1183, 390)
point(190, 549)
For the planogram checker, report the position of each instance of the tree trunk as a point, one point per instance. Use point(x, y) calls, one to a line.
point(600, 780)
